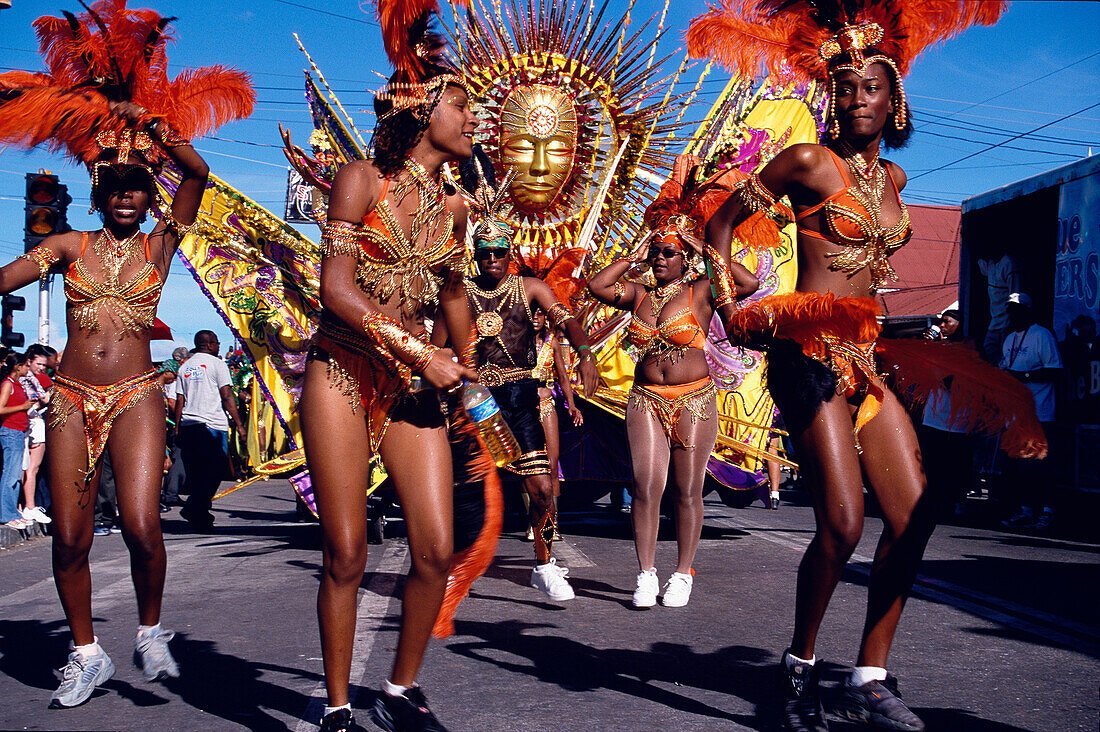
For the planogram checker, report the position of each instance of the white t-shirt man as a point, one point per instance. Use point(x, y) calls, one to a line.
point(1032, 349)
point(200, 380)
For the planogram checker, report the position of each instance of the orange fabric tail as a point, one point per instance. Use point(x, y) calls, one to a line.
point(471, 563)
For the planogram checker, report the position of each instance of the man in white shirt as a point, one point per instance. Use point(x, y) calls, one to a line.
point(205, 406)
point(1030, 353)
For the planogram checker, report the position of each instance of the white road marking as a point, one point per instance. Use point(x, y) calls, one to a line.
point(1013, 615)
point(373, 608)
point(571, 556)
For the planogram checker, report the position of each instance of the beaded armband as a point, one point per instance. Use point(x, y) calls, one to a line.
point(721, 279)
point(165, 135)
point(557, 314)
point(402, 344)
point(44, 257)
point(755, 197)
point(339, 238)
point(618, 291)
point(173, 225)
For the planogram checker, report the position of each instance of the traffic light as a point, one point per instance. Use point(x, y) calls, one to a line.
point(46, 204)
point(9, 305)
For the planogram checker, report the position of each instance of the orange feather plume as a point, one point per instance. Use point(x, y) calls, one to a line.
point(405, 35)
point(983, 398)
point(783, 36)
point(112, 54)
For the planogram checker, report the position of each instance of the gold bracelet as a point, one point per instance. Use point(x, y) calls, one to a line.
point(721, 279)
point(339, 238)
point(44, 258)
point(755, 197)
point(557, 314)
point(400, 343)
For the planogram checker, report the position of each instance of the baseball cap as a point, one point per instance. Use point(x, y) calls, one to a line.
point(1020, 298)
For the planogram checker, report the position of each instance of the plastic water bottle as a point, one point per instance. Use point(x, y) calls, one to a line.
point(484, 411)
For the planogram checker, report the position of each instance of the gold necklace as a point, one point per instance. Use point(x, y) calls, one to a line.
point(431, 200)
point(660, 296)
point(114, 253)
point(870, 180)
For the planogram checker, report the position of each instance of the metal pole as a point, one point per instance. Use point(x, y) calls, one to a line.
point(44, 311)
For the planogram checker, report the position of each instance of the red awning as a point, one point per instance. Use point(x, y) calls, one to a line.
point(928, 266)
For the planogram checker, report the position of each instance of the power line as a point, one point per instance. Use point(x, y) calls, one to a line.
point(1002, 143)
point(364, 21)
point(1028, 83)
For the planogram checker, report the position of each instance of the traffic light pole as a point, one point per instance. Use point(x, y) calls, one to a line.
point(44, 311)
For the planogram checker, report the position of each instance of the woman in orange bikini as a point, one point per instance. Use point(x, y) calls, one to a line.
point(126, 121)
point(821, 338)
point(394, 255)
point(672, 410)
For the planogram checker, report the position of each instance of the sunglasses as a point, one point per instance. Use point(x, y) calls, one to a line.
point(666, 252)
point(487, 253)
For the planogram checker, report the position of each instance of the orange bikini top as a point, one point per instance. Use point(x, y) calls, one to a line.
point(133, 305)
point(390, 263)
point(672, 338)
point(850, 224)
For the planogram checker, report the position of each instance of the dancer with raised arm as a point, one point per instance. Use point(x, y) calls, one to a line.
point(821, 362)
point(126, 121)
point(672, 412)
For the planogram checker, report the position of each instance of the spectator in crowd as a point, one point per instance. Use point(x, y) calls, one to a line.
point(107, 519)
point(1003, 275)
point(37, 385)
point(204, 397)
point(1030, 353)
point(167, 373)
point(13, 429)
point(948, 450)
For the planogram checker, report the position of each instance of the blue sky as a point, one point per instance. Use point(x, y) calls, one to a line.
point(1040, 63)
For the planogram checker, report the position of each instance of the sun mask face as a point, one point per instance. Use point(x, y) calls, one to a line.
point(538, 139)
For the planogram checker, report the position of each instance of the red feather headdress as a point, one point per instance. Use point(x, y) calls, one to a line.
point(816, 38)
point(110, 54)
point(421, 70)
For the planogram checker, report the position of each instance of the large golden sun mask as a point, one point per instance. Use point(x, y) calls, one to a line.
point(538, 139)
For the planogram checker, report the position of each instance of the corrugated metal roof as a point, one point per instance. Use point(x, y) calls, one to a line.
point(1072, 171)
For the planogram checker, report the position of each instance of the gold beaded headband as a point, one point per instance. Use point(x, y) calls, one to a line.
point(415, 96)
point(853, 39)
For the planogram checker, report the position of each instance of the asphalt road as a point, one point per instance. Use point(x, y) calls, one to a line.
point(1001, 633)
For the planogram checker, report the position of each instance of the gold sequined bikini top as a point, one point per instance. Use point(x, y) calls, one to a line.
point(850, 224)
point(389, 263)
point(134, 304)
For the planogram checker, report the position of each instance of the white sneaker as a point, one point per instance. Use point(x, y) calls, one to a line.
point(645, 594)
point(551, 579)
point(18, 524)
point(677, 590)
point(36, 514)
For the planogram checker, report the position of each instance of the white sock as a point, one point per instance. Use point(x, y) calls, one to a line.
point(792, 660)
point(89, 650)
point(393, 689)
point(147, 629)
point(775, 494)
point(329, 710)
point(865, 674)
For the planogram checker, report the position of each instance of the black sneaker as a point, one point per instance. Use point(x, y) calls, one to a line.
point(199, 520)
point(879, 705)
point(340, 721)
point(407, 713)
point(802, 710)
